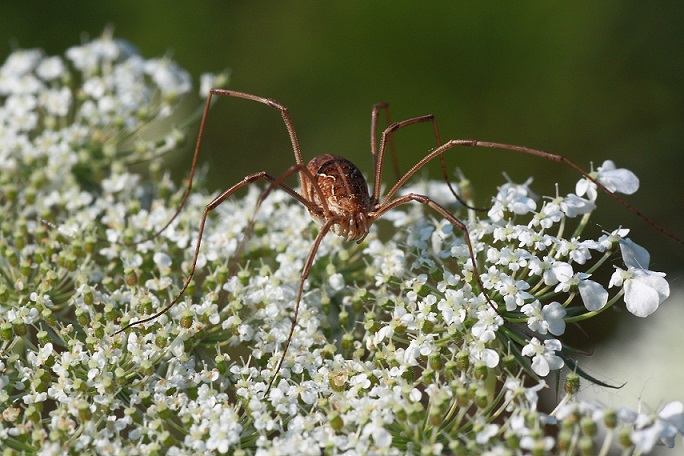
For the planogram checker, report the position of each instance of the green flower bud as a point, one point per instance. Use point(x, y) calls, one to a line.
point(564, 439)
point(49, 318)
point(588, 426)
point(586, 446)
point(335, 420)
point(509, 363)
point(480, 370)
point(110, 313)
point(84, 412)
point(451, 369)
point(145, 305)
point(429, 376)
point(131, 278)
point(186, 320)
point(88, 296)
point(625, 437)
point(338, 380)
point(610, 418)
point(572, 383)
point(6, 331)
point(347, 342)
point(343, 318)
point(43, 337)
point(512, 440)
point(370, 322)
point(435, 361)
point(481, 398)
point(463, 360)
point(20, 328)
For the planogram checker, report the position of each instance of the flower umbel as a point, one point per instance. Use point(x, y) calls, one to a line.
point(396, 350)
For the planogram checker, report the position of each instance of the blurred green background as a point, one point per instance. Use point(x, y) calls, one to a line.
point(588, 80)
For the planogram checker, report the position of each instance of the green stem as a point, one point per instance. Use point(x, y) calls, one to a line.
point(588, 315)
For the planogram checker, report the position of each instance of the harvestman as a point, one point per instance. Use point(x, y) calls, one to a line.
point(336, 195)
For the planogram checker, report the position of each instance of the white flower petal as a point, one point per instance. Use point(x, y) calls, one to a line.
point(641, 299)
point(561, 271)
point(554, 314)
point(540, 366)
point(489, 357)
point(645, 439)
point(573, 205)
point(585, 186)
point(617, 278)
point(634, 255)
point(593, 295)
point(619, 180)
point(672, 410)
point(655, 280)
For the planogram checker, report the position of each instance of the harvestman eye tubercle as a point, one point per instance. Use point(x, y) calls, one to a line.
point(337, 197)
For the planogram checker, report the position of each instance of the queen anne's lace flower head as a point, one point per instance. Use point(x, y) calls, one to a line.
point(397, 348)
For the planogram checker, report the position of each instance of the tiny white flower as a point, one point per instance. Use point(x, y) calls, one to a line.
point(556, 271)
point(452, 307)
point(28, 315)
point(169, 76)
point(578, 251)
point(607, 241)
point(21, 62)
point(488, 322)
point(573, 205)
point(163, 262)
point(480, 352)
point(336, 281)
point(381, 437)
point(514, 198)
point(616, 180)
point(487, 432)
point(568, 283)
point(514, 292)
point(51, 68)
point(544, 359)
point(664, 428)
point(415, 395)
point(550, 318)
point(211, 80)
point(515, 388)
point(39, 358)
point(549, 214)
point(644, 290)
point(672, 417)
point(361, 381)
point(529, 443)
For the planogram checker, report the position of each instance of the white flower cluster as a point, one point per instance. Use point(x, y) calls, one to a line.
point(397, 348)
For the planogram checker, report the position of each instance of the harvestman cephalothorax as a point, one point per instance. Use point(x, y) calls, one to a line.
point(336, 195)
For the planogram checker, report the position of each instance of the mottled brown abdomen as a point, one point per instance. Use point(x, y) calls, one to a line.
point(345, 192)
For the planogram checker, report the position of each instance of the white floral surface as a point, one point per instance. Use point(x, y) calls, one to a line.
point(396, 350)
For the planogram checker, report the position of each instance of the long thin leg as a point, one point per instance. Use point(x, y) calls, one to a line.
point(323, 211)
point(374, 140)
point(388, 137)
point(284, 113)
point(190, 177)
point(210, 207)
point(447, 215)
point(229, 93)
point(305, 273)
point(525, 150)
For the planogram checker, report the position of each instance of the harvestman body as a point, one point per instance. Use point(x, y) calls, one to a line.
point(336, 195)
